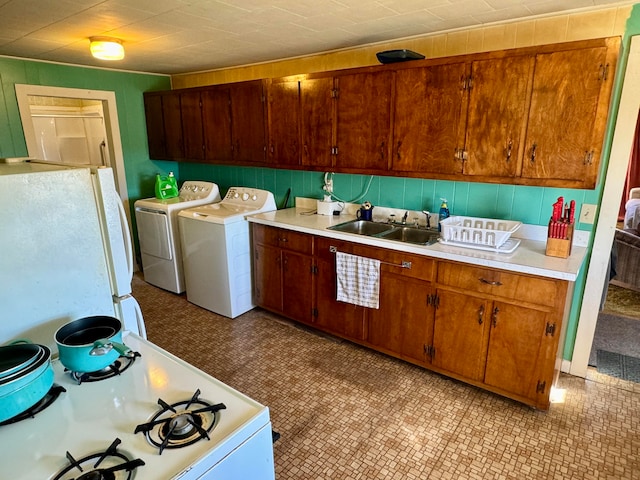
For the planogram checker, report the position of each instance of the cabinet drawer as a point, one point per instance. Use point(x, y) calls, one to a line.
point(421, 267)
point(286, 239)
point(490, 281)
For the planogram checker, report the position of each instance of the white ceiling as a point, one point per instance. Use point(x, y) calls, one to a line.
point(177, 36)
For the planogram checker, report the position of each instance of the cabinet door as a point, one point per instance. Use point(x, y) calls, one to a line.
point(316, 121)
point(564, 134)
point(363, 121)
point(191, 111)
point(216, 116)
point(341, 318)
point(155, 125)
point(403, 324)
point(267, 277)
point(171, 112)
point(460, 334)
point(284, 122)
point(497, 115)
point(520, 352)
point(297, 286)
point(430, 118)
point(247, 123)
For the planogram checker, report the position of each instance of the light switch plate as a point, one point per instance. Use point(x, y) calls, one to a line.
point(588, 213)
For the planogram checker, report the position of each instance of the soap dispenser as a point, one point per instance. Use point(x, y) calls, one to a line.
point(443, 214)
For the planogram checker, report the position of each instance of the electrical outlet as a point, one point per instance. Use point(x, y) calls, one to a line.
point(588, 213)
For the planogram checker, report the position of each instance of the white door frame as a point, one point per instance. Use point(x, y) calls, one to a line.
point(108, 99)
point(597, 273)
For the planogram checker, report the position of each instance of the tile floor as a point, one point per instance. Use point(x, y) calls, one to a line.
point(348, 413)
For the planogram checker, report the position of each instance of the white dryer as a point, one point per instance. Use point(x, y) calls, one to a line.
point(217, 250)
point(157, 222)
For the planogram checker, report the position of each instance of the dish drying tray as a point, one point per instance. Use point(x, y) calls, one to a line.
point(479, 233)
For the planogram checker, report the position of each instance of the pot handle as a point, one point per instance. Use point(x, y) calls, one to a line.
point(102, 347)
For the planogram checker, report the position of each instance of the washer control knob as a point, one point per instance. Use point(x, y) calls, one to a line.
point(236, 194)
point(254, 198)
point(245, 196)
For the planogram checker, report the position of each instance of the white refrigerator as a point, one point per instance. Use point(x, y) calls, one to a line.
point(65, 250)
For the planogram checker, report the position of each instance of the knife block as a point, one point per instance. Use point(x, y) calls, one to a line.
point(560, 247)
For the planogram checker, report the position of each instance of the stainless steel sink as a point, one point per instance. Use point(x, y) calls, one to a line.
point(362, 227)
point(388, 231)
point(411, 235)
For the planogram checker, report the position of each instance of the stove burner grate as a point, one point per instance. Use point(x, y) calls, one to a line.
point(50, 397)
point(116, 368)
point(182, 423)
point(107, 465)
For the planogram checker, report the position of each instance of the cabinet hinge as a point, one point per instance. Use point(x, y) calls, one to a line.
point(433, 300)
point(334, 93)
point(460, 154)
point(541, 386)
point(429, 350)
point(550, 329)
point(314, 312)
point(603, 72)
point(588, 157)
point(314, 269)
point(467, 83)
point(334, 150)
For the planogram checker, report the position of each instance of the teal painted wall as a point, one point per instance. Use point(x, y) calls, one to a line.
point(128, 88)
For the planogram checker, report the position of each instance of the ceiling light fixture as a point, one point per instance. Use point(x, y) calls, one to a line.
point(106, 48)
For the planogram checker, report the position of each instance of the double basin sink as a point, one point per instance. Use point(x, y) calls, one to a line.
point(389, 231)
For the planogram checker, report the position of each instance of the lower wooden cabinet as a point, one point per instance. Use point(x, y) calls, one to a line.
point(491, 328)
point(283, 272)
point(460, 334)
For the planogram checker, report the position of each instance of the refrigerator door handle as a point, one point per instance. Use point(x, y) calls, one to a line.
point(126, 233)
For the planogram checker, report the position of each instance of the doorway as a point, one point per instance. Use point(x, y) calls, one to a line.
point(597, 273)
point(75, 127)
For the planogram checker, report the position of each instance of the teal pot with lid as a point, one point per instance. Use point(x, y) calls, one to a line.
point(90, 344)
point(25, 386)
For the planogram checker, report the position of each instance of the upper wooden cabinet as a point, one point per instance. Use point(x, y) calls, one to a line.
point(430, 118)
point(164, 125)
point(192, 125)
point(363, 121)
point(316, 122)
point(216, 118)
point(248, 126)
point(218, 124)
point(497, 116)
point(283, 110)
point(567, 118)
point(526, 116)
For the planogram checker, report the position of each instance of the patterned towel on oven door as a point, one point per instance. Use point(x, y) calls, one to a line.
point(358, 280)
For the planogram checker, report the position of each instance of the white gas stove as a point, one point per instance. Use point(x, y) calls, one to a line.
point(88, 418)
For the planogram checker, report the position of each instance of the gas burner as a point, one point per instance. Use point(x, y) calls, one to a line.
point(50, 397)
point(182, 423)
point(107, 465)
point(116, 368)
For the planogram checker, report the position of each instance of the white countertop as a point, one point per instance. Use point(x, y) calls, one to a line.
point(529, 257)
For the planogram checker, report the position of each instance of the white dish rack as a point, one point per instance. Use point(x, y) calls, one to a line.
point(474, 232)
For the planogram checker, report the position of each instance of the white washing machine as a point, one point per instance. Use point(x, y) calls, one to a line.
point(217, 250)
point(157, 222)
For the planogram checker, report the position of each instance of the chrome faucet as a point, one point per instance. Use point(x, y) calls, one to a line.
point(404, 217)
point(428, 214)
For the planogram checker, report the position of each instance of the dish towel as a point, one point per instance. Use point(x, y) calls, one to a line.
point(358, 280)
